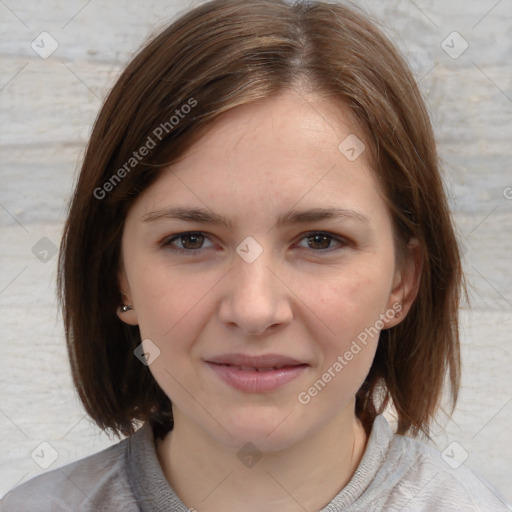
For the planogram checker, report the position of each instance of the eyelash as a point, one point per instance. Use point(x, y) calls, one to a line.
point(166, 243)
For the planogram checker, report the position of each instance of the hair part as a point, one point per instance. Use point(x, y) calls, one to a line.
point(220, 55)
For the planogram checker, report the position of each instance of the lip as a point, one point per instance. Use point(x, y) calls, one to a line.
point(262, 361)
point(251, 374)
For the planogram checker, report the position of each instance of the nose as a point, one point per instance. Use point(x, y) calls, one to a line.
point(255, 298)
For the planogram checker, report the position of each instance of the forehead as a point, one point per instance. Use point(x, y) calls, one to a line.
point(281, 150)
point(288, 126)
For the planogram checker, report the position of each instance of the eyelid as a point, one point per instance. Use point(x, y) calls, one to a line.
point(341, 240)
point(167, 241)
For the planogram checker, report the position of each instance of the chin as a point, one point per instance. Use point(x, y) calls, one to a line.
point(268, 430)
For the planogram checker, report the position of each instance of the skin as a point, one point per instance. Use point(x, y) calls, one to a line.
point(301, 297)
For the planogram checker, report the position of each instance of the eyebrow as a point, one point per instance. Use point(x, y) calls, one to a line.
point(292, 217)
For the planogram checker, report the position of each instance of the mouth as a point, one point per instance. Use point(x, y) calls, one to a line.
point(256, 374)
point(256, 369)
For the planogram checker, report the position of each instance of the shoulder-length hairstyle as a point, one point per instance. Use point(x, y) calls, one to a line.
point(219, 55)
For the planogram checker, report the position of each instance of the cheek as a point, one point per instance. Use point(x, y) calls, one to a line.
point(349, 310)
point(172, 303)
point(173, 309)
point(349, 306)
point(166, 296)
point(350, 300)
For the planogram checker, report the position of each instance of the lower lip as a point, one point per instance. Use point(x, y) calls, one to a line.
point(255, 381)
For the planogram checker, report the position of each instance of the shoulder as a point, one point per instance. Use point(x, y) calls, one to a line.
point(96, 482)
point(418, 477)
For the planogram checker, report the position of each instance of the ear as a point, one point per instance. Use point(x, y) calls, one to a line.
point(128, 317)
point(406, 283)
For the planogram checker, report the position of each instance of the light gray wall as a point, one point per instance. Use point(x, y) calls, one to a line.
point(47, 108)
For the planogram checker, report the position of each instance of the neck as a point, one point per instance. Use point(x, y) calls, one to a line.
point(209, 477)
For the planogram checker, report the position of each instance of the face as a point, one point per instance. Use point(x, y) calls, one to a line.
point(261, 269)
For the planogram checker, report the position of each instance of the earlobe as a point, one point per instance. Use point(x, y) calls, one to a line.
point(127, 314)
point(126, 311)
point(407, 282)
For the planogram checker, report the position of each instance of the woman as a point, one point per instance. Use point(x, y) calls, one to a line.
point(258, 260)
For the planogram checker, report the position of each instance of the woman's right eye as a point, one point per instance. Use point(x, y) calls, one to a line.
point(191, 243)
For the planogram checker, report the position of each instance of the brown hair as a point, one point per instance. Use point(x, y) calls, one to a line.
point(219, 55)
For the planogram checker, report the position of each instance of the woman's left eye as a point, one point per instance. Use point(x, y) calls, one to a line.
point(193, 242)
point(321, 241)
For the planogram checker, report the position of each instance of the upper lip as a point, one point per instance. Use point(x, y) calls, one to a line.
point(263, 361)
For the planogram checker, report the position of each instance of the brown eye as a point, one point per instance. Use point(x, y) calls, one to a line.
point(191, 243)
point(319, 241)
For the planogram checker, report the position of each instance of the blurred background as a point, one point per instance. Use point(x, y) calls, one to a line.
point(58, 61)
